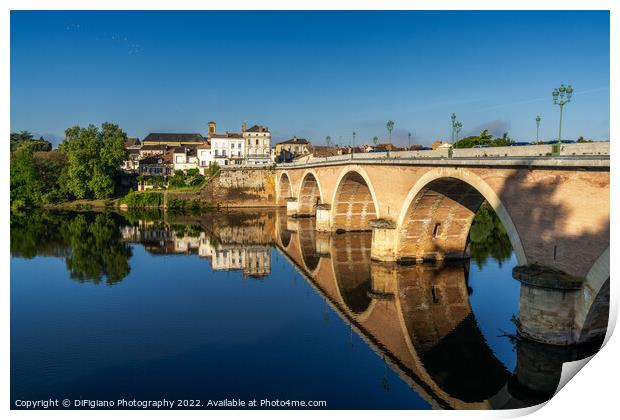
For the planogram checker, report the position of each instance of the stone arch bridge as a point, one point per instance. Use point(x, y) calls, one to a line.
point(555, 210)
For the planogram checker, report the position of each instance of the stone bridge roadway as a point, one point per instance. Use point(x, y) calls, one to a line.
point(556, 212)
point(419, 320)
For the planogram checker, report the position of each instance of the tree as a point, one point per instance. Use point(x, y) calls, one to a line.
point(25, 139)
point(94, 157)
point(51, 171)
point(26, 185)
point(502, 141)
point(483, 139)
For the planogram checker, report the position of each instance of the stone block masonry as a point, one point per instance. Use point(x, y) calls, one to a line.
point(243, 187)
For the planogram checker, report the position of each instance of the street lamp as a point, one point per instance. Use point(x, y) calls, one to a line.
point(409, 141)
point(453, 118)
point(328, 142)
point(561, 96)
point(390, 127)
point(375, 140)
point(537, 126)
point(353, 145)
point(457, 129)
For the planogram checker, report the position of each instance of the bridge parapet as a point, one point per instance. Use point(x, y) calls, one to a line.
point(586, 150)
point(601, 162)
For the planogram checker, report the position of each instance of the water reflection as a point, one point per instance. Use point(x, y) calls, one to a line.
point(418, 319)
point(90, 243)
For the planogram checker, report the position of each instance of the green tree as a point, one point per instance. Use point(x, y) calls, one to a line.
point(25, 139)
point(51, 171)
point(488, 237)
point(483, 139)
point(94, 157)
point(25, 183)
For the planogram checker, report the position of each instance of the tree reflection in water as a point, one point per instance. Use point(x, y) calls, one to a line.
point(488, 238)
point(90, 243)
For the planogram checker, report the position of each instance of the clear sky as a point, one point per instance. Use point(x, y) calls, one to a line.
point(311, 74)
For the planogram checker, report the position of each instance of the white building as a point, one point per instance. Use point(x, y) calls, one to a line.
point(257, 145)
point(184, 158)
point(228, 149)
point(205, 158)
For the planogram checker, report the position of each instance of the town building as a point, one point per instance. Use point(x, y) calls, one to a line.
point(287, 150)
point(184, 158)
point(152, 150)
point(205, 158)
point(257, 145)
point(228, 148)
point(155, 165)
point(132, 146)
point(174, 139)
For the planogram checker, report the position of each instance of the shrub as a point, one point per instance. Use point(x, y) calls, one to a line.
point(144, 199)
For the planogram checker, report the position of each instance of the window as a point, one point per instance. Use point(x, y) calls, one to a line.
point(180, 159)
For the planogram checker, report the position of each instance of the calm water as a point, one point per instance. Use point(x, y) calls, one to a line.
point(254, 306)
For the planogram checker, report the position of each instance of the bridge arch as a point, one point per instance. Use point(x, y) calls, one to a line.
point(354, 202)
point(310, 194)
point(285, 188)
point(350, 263)
point(442, 336)
point(282, 229)
point(436, 216)
point(306, 236)
point(592, 311)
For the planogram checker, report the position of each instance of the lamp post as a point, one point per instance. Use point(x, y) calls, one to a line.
point(408, 141)
point(457, 129)
point(375, 140)
point(328, 143)
point(453, 118)
point(561, 96)
point(537, 126)
point(353, 145)
point(390, 127)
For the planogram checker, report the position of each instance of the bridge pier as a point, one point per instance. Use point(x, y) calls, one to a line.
point(292, 206)
point(547, 305)
point(384, 240)
point(323, 217)
point(539, 369)
point(323, 243)
point(292, 225)
point(384, 281)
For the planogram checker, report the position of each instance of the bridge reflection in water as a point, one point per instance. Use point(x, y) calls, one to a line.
point(419, 319)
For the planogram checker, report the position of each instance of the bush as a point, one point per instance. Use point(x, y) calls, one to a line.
point(197, 180)
point(182, 205)
point(144, 199)
point(213, 168)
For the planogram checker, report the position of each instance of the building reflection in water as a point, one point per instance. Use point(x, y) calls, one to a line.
point(231, 243)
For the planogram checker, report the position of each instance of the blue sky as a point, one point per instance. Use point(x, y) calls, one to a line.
point(311, 74)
